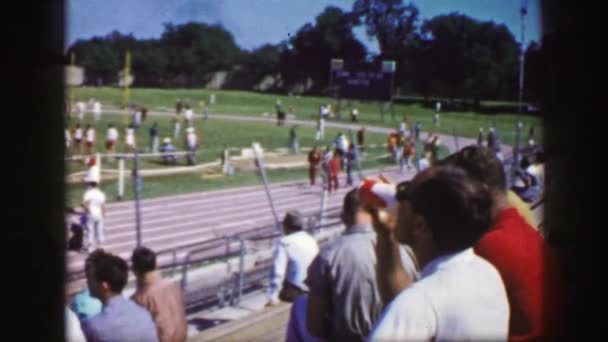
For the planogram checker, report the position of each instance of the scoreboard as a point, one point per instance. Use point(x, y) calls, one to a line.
point(363, 82)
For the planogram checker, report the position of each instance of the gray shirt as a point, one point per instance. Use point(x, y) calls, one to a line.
point(344, 273)
point(121, 320)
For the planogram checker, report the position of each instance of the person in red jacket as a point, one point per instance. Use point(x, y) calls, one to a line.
point(527, 264)
point(314, 160)
point(334, 171)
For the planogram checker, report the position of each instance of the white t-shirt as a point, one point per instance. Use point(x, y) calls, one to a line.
point(73, 331)
point(81, 107)
point(91, 135)
point(402, 127)
point(112, 134)
point(130, 137)
point(67, 135)
point(459, 297)
point(424, 164)
point(188, 114)
point(78, 134)
point(96, 107)
point(137, 117)
point(94, 199)
point(191, 138)
point(537, 170)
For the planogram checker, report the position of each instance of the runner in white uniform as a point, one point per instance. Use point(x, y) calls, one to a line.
point(130, 139)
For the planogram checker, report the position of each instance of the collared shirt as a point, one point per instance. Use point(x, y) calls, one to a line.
point(163, 299)
point(460, 296)
point(121, 320)
point(291, 259)
point(85, 306)
point(344, 275)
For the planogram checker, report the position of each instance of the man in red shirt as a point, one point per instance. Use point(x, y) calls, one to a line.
point(334, 170)
point(529, 269)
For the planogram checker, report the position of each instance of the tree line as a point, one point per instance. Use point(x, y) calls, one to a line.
point(449, 55)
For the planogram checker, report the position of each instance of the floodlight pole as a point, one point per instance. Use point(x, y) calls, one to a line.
point(126, 80)
point(523, 12)
point(137, 182)
point(260, 165)
point(71, 89)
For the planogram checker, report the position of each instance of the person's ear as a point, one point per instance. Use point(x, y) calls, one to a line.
point(105, 287)
point(420, 227)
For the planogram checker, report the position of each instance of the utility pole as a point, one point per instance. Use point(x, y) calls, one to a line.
point(127, 72)
point(523, 11)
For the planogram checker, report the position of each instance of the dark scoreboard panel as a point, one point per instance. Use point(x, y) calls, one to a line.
point(354, 82)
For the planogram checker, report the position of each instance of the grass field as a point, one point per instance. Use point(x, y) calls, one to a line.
point(214, 136)
point(249, 103)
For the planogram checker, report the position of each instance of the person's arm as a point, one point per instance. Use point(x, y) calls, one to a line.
point(391, 275)
point(277, 274)
point(318, 310)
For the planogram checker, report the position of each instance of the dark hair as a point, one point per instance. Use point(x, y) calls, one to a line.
point(108, 268)
point(456, 208)
point(143, 260)
point(294, 220)
point(481, 164)
point(349, 207)
point(524, 163)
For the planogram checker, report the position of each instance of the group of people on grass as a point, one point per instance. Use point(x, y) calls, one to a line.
point(78, 136)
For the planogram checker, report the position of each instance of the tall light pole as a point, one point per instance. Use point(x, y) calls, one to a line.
point(523, 11)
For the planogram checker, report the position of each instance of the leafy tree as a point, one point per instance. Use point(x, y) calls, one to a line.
point(314, 46)
point(469, 58)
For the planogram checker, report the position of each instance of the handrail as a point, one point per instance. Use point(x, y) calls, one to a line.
point(538, 203)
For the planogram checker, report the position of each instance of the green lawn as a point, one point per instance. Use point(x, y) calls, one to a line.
point(187, 183)
point(250, 103)
point(214, 135)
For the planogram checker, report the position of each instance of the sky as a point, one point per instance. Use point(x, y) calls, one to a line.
point(257, 22)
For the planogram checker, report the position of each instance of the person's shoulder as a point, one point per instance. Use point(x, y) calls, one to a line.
point(95, 324)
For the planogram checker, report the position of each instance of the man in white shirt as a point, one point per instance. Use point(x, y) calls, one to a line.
point(111, 138)
point(137, 118)
point(321, 123)
point(191, 142)
point(293, 254)
point(67, 139)
point(188, 115)
point(97, 110)
point(130, 138)
point(93, 202)
point(90, 139)
point(81, 107)
point(441, 214)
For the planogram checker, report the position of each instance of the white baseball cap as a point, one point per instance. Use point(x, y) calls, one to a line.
point(166, 140)
point(190, 129)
